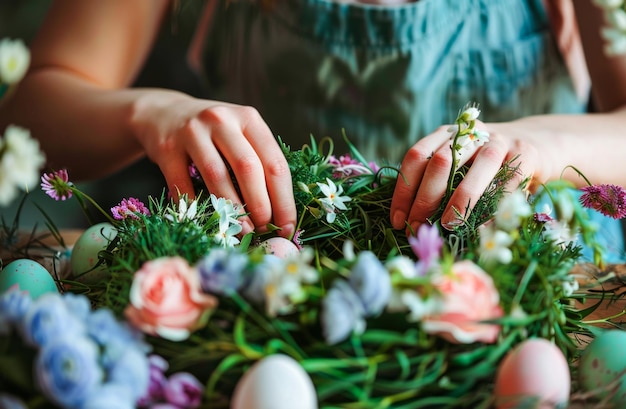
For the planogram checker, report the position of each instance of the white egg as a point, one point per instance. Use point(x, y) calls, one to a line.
point(279, 247)
point(85, 253)
point(275, 382)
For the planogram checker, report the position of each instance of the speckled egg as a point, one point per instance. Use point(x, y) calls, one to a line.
point(275, 382)
point(602, 366)
point(533, 374)
point(85, 253)
point(279, 247)
point(29, 276)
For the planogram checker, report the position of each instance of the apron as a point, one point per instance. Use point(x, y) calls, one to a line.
point(384, 76)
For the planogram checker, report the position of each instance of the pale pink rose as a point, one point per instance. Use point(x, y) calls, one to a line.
point(469, 296)
point(166, 299)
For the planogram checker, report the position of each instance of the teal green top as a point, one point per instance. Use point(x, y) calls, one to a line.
point(387, 75)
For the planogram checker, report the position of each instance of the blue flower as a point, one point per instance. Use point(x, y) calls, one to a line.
point(48, 319)
point(78, 304)
point(255, 289)
point(371, 281)
point(109, 396)
point(131, 371)
point(221, 271)
point(342, 313)
point(67, 370)
point(13, 306)
point(113, 336)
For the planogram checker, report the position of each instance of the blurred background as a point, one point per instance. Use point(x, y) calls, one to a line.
point(166, 67)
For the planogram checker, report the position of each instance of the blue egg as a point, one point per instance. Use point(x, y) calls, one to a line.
point(603, 366)
point(29, 276)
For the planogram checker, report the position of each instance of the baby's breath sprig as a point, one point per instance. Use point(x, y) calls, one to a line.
point(614, 33)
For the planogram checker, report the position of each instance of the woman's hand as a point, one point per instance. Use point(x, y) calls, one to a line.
point(426, 169)
point(176, 130)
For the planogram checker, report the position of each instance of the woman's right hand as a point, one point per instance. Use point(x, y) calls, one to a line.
point(176, 130)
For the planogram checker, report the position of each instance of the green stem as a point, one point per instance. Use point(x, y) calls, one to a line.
point(80, 196)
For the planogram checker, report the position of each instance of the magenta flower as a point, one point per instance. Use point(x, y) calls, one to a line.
point(609, 200)
point(194, 172)
point(130, 207)
point(296, 238)
point(56, 185)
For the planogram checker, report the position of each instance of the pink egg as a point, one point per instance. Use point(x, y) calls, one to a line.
point(535, 371)
point(279, 246)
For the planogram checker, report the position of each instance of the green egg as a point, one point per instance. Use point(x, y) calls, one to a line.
point(603, 364)
point(29, 276)
point(85, 253)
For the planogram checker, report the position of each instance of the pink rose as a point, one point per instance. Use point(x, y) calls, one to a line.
point(469, 296)
point(166, 299)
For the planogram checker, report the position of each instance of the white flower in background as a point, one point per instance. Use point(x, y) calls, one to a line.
point(14, 60)
point(20, 163)
point(184, 212)
point(403, 265)
point(609, 3)
point(414, 303)
point(470, 114)
point(559, 232)
point(511, 210)
point(494, 245)
point(617, 18)
point(333, 199)
point(616, 41)
point(614, 33)
point(570, 286)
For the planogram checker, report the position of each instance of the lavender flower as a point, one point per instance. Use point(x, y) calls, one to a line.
point(157, 380)
point(609, 200)
point(57, 185)
point(342, 313)
point(131, 372)
point(427, 247)
point(129, 208)
point(183, 390)
point(67, 370)
point(221, 271)
point(371, 282)
point(107, 396)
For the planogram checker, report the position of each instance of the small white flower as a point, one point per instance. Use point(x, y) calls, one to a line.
point(559, 232)
point(475, 138)
point(403, 265)
point(511, 210)
point(303, 187)
point(333, 199)
point(226, 234)
point(227, 211)
point(470, 114)
point(570, 286)
point(616, 41)
point(184, 212)
point(20, 162)
point(494, 245)
point(610, 4)
point(454, 129)
point(14, 60)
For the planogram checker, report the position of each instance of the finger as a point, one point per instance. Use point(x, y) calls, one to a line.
point(277, 175)
point(412, 173)
point(176, 172)
point(487, 161)
point(246, 164)
point(211, 166)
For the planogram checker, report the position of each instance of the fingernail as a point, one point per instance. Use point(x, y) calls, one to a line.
point(452, 224)
point(398, 219)
point(287, 230)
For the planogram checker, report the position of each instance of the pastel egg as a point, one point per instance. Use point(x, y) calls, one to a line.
point(275, 382)
point(602, 366)
point(279, 247)
point(29, 276)
point(533, 374)
point(85, 253)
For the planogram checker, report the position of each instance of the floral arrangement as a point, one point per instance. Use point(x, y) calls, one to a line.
point(371, 317)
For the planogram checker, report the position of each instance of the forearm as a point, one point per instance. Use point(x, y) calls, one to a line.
point(81, 127)
point(592, 143)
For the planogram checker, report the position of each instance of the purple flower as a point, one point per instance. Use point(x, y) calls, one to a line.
point(67, 370)
point(371, 281)
point(342, 313)
point(221, 271)
point(184, 390)
point(56, 185)
point(426, 246)
point(157, 380)
point(194, 173)
point(542, 217)
point(129, 208)
point(296, 238)
point(609, 200)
